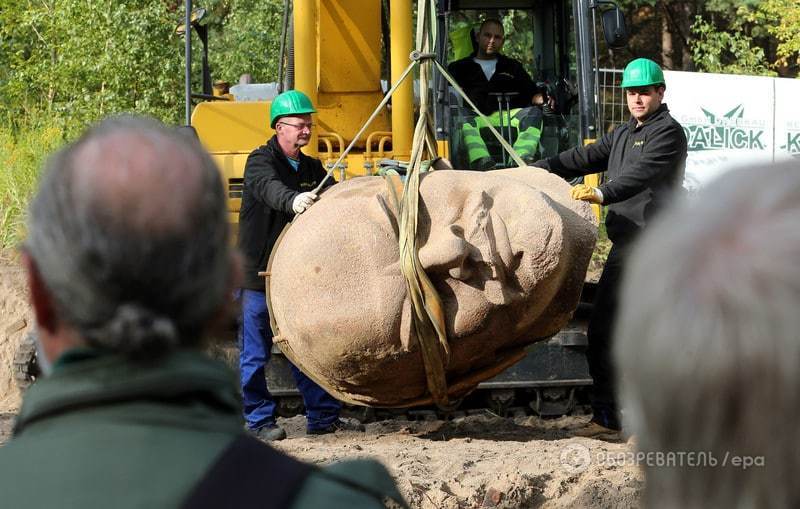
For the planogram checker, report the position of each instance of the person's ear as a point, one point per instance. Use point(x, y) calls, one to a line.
point(42, 302)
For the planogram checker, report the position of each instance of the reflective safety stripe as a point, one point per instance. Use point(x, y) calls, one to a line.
point(494, 119)
point(528, 141)
point(476, 147)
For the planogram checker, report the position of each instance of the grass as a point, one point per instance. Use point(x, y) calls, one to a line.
point(22, 151)
point(600, 253)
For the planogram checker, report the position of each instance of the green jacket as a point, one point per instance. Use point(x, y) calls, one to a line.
point(103, 431)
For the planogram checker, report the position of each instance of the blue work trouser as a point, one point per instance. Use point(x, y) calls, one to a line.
point(255, 344)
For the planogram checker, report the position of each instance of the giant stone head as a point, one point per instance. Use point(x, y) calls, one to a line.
point(506, 250)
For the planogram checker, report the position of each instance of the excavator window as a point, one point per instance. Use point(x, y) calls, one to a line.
point(540, 36)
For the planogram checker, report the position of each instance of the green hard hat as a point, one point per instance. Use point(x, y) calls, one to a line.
point(291, 102)
point(641, 73)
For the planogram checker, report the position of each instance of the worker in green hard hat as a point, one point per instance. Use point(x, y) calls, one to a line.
point(644, 161)
point(278, 184)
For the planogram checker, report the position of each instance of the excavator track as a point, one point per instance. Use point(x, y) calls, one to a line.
point(25, 366)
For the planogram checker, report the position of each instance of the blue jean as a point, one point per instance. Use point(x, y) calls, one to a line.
point(255, 345)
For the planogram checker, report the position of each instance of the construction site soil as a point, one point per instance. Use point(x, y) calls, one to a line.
point(476, 460)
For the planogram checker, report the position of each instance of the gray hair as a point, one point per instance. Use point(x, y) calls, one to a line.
point(708, 344)
point(128, 231)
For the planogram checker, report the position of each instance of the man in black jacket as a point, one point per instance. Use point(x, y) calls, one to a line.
point(278, 183)
point(487, 73)
point(644, 161)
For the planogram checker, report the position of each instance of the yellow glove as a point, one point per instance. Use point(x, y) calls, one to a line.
point(586, 193)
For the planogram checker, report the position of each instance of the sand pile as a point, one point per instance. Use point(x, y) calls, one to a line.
point(16, 318)
point(484, 461)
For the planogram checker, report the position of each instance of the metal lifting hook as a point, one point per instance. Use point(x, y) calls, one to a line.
point(417, 55)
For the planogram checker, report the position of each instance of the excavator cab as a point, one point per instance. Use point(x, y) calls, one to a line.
point(539, 35)
point(556, 41)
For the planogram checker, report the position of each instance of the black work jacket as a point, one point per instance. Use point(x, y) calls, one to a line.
point(270, 187)
point(644, 168)
point(509, 76)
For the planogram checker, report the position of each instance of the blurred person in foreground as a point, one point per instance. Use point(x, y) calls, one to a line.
point(708, 345)
point(129, 268)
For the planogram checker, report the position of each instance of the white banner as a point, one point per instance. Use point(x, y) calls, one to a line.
point(787, 118)
point(729, 120)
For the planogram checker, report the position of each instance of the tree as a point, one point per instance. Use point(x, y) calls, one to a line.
point(79, 60)
point(744, 36)
point(728, 52)
point(760, 38)
point(786, 31)
point(246, 40)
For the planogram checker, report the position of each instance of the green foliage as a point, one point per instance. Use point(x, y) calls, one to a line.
point(727, 51)
point(787, 29)
point(247, 41)
point(22, 152)
point(739, 36)
point(601, 250)
point(518, 25)
point(65, 64)
point(82, 60)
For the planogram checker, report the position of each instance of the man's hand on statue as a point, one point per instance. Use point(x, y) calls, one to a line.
point(302, 202)
point(587, 193)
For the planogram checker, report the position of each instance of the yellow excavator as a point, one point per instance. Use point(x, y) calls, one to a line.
point(346, 55)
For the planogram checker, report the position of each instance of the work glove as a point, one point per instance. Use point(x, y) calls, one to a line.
point(302, 201)
point(587, 193)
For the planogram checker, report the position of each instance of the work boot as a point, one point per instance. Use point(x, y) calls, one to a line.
point(597, 431)
point(270, 433)
point(338, 425)
point(483, 164)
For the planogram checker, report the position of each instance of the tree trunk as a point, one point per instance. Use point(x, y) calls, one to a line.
point(666, 39)
point(686, 19)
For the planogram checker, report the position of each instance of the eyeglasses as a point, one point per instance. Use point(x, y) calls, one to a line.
point(299, 127)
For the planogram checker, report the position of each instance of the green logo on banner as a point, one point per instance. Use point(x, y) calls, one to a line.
point(730, 131)
point(792, 142)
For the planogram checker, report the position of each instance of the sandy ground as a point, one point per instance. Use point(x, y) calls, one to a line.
point(480, 460)
point(15, 319)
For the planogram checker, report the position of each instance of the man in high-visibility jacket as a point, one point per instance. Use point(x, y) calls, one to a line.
point(483, 75)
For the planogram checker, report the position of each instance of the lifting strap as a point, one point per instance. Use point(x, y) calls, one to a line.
point(427, 311)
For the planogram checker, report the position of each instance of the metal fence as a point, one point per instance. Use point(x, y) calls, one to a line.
point(613, 108)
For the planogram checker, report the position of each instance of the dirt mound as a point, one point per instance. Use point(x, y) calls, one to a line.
point(16, 318)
